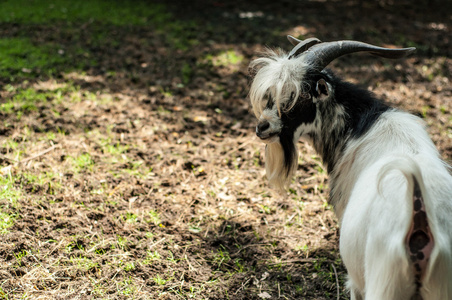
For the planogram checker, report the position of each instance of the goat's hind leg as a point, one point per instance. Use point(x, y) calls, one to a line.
point(355, 294)
point(388, 271)
point(389, 278)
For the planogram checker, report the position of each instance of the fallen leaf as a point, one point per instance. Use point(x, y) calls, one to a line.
point(200, 119)
point(264, 295)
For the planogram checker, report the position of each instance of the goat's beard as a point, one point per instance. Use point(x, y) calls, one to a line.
point(281, 162)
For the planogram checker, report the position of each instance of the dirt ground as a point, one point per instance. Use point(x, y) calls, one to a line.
point(134, 172)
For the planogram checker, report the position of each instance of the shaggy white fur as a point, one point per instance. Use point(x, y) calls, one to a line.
point(279, 77)
point(373, 201)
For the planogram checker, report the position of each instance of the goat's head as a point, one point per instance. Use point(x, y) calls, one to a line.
point(289, 92)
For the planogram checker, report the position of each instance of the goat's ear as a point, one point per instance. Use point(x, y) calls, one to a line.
point(323, 90)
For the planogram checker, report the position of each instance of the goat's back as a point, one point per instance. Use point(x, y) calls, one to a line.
point(374, 202)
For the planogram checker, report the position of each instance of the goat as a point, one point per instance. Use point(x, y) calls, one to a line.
point(390, 190)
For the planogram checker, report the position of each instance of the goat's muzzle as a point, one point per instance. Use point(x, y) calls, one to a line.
point(265, 132)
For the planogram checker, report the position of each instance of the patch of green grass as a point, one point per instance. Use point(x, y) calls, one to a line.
point(221, 257)
point(19, 56)
point(119, 13)
point(130, 217)
point(24, 101)
point(224, 59)
point(10, 146)
point(83, 263)
point(424, 111)
point(48, 180)
point(22, 57)
point(151, 256)
point(75, 244)
point(130, 266)
point(266, 209)
point(127, 287)
point(110, 12)
point(98, 289)
point(154, 217)
point(187, 73)
point(19, 256)
point(116, 152)
point(6, 221)
point(9, 193)
point(122, 243)
point(3, 294)
point(137, 169)
point(115, 149)
point(240, 265)
point(82, 162)
point(98, 97)
point(160, 280)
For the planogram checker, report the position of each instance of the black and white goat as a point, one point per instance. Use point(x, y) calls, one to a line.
point(390, 189)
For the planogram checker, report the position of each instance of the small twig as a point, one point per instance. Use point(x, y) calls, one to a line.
point(57, 246)
point(190, 267)
point(39, 154)
point(140, 288)
point(242, 145)
point(207, 231)
point(95, 246)
point(158, 242)
point(117, 271)
point(243, 285)
point(321, 221)
point(119, 254)
point(236, 216)
point(247, 246)
point(309, 179)
point(337, 281)
point(303, 260)
point(290, 218)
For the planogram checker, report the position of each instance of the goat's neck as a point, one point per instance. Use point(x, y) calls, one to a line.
point(339, 126)
point(331, 134)
point(342, 120)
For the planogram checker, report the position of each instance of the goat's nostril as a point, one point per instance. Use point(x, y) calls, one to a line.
point(261, 127)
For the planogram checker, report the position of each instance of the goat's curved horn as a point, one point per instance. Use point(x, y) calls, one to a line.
point(322, 54)
point(301, 46)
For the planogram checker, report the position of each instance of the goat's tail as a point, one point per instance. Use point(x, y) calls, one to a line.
point(427, 250)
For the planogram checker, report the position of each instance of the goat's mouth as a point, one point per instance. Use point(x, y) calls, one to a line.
point(267, 131)
point(268, 137)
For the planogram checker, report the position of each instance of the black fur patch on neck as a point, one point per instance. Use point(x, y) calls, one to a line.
point(361, 109)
